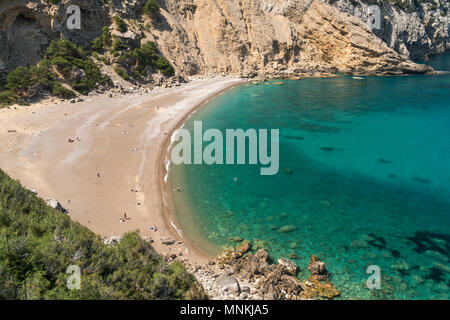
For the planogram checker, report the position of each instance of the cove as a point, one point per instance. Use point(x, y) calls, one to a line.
point(363, 180)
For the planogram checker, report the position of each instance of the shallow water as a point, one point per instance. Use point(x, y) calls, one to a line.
point(364, 180)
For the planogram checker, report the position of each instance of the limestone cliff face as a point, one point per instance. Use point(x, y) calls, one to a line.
point(243, 37)
point(27, 27)
point(271, 37)
point(413, 33)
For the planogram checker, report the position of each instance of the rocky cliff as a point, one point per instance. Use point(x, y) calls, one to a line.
point(243, 37)
point(271, 37)
point(413, 28)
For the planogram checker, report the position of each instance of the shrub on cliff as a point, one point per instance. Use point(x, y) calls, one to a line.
point(151, 8)
point(75, 65)
point(60, 91)
point(101, 43)
point(121, 26)
point(138, 61)
point(38, 244)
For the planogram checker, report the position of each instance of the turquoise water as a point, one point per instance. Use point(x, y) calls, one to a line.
point(364, 180)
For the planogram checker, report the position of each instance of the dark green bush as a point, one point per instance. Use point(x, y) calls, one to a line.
point(60, 91)
point(137, 61)
point(122, 73)
point(69, 58)
point(151, 8)
point(121, 26)
point(118, 45)
point(18, 80)
point(8, 98)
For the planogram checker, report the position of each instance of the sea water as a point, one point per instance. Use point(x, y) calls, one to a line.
point(364, 180)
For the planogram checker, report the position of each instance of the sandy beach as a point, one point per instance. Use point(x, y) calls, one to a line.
point(104, 157)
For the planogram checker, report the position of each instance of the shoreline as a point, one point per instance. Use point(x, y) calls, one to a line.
point(165, 191)
point(119, 145)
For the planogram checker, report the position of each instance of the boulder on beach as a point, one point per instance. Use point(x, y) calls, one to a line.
point(167, 241)
point(55, 205)
point(228, 283)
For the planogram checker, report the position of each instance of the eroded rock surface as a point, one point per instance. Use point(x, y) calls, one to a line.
point(276, 38)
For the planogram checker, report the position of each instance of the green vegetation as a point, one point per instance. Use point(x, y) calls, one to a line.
point(103, 42)
point(7, 98)
point(60, 91)
point(75, 65)
point(151, 8)
point(121, 26)
point(138, 61)
point(63, 62)
point(38, 244)
point(117, 46)
point(122, 73)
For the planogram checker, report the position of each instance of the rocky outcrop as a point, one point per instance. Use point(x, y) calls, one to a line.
point(278, 281)
point(55, 204)
point(290, 266)
point(27, 27)
point(111, 241)
point(228, 283)
point(276, 38)
point(272, 38)
point(317, 268)
point(414, 31)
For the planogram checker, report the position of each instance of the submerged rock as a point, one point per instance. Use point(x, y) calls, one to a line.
point(287, 229)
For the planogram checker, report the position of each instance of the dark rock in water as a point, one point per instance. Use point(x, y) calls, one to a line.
point(425, 240)
point(436, 275)
point(295, 138)
point(293, 256)
point(395, 253)
point(384, 161)
point(376, 241)
point(442, 267)
point(402, 267)
point(327, 149)
point(288, 171)
point(422, 180)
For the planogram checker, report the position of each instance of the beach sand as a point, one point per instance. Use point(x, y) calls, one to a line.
point(94, 155)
